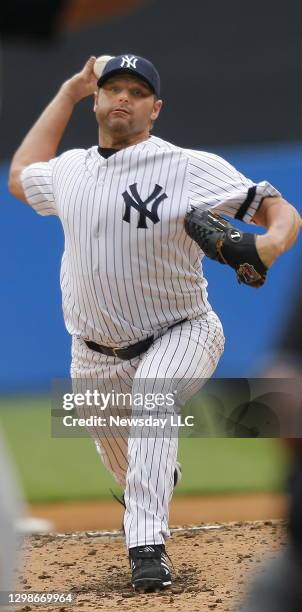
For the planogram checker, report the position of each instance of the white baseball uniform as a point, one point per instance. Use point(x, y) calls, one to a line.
point(129, 271)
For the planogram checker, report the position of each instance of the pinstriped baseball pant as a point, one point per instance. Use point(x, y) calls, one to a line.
point(143, 463)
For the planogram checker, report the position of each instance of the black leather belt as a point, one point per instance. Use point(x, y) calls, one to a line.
point(128, 352)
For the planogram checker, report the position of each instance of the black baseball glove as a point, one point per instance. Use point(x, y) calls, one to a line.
point(225, 243)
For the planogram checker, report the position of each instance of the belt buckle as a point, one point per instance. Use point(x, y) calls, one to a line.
point(114, 352)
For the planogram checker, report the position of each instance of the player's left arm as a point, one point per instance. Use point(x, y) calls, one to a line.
point(283, 223)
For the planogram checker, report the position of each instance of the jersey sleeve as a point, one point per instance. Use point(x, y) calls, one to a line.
point(214, 183)
point(37, 183)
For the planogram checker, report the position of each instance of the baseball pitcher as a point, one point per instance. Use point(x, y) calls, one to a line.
point(138, 215)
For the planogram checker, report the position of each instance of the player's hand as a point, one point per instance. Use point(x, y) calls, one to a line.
point(83, 83)
point(268, 249)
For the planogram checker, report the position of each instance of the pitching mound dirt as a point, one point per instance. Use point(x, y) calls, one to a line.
point(212, 568)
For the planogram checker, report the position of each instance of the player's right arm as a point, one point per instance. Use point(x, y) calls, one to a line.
point(42, 141)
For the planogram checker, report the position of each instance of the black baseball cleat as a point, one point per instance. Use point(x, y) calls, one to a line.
point(150, 568)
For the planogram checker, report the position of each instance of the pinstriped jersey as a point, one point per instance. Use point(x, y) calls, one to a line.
point(128, 266)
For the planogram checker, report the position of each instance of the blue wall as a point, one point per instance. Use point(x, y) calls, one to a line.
point(35, 346)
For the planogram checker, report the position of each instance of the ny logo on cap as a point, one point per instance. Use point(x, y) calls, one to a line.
point(129, 62)
point(135, 201)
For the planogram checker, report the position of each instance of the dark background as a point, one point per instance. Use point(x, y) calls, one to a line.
point(231, 72)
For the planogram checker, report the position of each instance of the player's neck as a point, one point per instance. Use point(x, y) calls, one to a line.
point(112, 141)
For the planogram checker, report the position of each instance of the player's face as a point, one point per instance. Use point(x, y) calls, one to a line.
point(126, 105)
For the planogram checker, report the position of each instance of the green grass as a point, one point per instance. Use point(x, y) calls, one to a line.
point(53, 469)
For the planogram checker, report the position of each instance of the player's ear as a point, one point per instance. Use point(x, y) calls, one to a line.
point(156, 109)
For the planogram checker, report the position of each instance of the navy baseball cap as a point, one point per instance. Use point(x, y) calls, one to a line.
point(135, 65)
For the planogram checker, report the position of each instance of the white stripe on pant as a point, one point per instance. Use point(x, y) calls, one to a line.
point(183, 358)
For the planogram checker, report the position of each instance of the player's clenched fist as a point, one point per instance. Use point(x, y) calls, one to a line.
point(83, 83)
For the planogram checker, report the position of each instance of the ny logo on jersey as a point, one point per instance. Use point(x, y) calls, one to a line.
point(128, 62)
point(135, 201)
